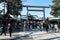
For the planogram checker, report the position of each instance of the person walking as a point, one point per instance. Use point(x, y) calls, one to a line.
point(44, 26)
point(55, 28)
point(52, 26)
point(47, 27)
point(10, 30)
point(3, 30)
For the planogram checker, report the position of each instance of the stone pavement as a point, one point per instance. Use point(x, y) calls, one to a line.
point(16, 36)
point(32, 35)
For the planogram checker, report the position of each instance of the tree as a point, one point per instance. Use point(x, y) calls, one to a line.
point(0, 11)
point(14, 7)
point(31, 16)
point(54, 0)
point(55, 8)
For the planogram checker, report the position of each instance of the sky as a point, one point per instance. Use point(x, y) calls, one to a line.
point(1, 6)
point(37, 3)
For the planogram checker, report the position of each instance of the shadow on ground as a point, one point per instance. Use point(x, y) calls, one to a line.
point(57, 38)
point(19, 37)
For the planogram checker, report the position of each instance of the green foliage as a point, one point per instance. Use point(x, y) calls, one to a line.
point(1, 1)
point(0, 11)
point(14, 7)
point(55, 1)
point(31, 16)
point(55, 8)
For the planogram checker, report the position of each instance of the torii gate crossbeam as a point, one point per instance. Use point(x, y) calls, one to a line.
point(36, 6)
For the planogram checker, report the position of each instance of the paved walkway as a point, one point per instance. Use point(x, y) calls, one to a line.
point(15, 36)
point(32, 35)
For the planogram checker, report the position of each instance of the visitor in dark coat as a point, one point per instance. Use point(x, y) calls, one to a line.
point(3, 30)
point(47, 27)
point(10, 30)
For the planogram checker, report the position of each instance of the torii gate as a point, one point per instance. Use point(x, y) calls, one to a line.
point(36, 10)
